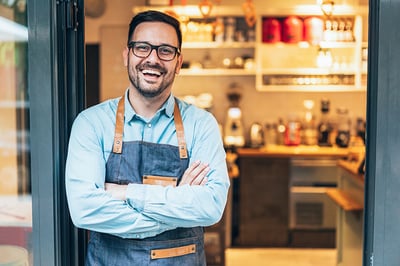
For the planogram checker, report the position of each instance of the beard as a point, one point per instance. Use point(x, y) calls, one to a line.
point(144, 88)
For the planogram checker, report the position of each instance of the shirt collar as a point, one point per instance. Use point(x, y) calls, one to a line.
point(167, 107)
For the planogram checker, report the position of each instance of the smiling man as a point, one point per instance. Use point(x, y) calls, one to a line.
point(146, 171)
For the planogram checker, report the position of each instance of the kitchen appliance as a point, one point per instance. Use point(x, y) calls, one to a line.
point(343, 127)
point(256, 135)
point(309, 206)
point(233, 128)
point(325, 126)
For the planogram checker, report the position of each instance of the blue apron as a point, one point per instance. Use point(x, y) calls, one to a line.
point(151, 163)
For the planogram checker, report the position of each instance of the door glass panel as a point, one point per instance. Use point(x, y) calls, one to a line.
point(15, 180)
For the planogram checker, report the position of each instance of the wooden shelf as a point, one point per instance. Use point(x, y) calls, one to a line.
point(308, 71)
point(344, 200)
point(217, 72)
point(311, 88)
point(306, 45)
point(301, 151)
point(215, 45)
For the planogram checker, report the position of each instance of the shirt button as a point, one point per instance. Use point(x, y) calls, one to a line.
point(149, 125)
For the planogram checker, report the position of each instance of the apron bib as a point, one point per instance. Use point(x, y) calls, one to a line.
point(150, 163)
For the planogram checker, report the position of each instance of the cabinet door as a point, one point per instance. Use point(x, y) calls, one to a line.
point(263, 202)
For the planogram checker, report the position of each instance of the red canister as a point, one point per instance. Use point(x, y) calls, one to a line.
point(313, 30)
point(271, 30)
point(292, 29)
point(292, 133)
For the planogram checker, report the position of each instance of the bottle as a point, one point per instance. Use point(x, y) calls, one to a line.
point(309, 130)
point(325, 126)
point(281, 129)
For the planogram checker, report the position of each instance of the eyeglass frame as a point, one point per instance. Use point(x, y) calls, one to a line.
point(131, 45)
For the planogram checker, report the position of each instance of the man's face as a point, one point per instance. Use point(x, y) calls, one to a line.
point(152, 76)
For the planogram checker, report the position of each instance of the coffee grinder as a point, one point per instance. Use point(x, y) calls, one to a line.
point(233, 128)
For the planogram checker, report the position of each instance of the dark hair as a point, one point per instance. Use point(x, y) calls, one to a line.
point(155, 16)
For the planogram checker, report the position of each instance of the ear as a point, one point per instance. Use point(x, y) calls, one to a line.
point(125, 56)
point(179, 64)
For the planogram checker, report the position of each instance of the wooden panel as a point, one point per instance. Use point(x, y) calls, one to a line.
point(263, 202)
point(313, 238)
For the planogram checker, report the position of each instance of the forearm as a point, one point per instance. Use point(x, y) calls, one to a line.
point(94, 209)
point(186, 206)
point(183, 206)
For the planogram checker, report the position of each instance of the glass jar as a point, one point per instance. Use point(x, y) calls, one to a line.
point(292, 133)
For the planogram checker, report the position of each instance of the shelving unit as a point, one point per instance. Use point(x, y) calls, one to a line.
point(195, 52)
point(279, 66)
point(294, 66)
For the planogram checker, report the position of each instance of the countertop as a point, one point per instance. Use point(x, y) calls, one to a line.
point(349, 195)
point(351, 167)
point(293, 151)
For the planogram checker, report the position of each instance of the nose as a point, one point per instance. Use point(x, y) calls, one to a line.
point(153, 55)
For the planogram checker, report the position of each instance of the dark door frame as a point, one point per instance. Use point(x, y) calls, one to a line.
point(382, 183)
point(56, 95)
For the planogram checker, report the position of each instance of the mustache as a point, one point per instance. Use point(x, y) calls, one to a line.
point(151, 66)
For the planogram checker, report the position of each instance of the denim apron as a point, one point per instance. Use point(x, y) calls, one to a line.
point(151, 163)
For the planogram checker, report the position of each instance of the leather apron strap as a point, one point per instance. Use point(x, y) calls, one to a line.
point(180, 132)
point(119, 129)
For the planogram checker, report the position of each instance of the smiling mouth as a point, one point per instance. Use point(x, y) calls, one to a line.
point(152, 72)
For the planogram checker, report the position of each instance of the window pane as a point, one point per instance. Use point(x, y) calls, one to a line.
point(15, 189)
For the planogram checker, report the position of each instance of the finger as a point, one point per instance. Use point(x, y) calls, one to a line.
point(198, 170)
point(191, 172)
point(192, 167)
point(200, 176)
point(204, 181)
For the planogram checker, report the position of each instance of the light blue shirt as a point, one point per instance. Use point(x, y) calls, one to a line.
point(149, 209)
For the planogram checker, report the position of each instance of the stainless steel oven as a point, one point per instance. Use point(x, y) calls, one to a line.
point(310, 207)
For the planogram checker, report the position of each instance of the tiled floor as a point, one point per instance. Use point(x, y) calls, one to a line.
point(280, 257)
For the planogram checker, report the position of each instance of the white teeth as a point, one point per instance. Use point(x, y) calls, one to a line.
point(151, 72)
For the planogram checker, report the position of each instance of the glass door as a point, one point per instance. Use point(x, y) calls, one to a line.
point(15, 179)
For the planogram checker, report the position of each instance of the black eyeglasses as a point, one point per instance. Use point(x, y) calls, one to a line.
point(164, 52)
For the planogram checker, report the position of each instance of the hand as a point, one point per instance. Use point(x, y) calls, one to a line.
point(195, 174)
point(116, 191)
